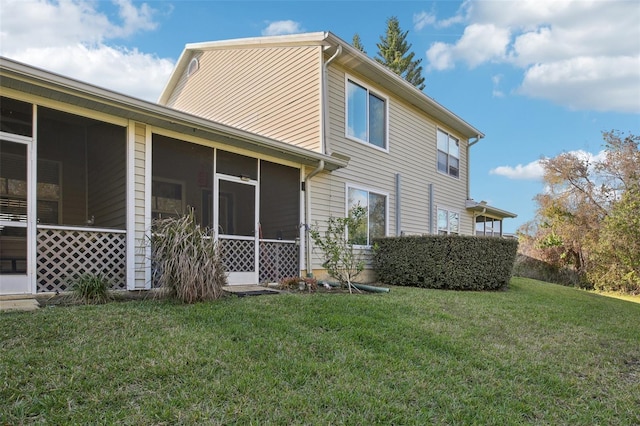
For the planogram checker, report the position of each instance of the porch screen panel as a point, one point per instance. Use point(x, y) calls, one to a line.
point(16, 117)
point(81, 171)
point(13, 208)
point(106, 178)
point(182, 179)
point(236, 209)
point(232, 164)
point(279, 201)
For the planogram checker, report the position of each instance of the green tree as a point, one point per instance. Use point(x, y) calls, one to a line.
point(616, 258)
point(394, 53)
point(357, 43)
point(587, 217)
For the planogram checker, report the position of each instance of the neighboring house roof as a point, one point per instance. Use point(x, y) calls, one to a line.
point(485, 209)
point(350, 57)
point(27, 79)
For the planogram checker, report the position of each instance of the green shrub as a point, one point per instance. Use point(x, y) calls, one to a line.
point(90, 288)
point(445, 262)
point(186, 259)
point(343, 262)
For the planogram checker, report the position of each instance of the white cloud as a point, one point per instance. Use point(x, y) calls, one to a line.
point(282, 27)
point(576, 53)
point(440, 57)
point(126, 71)
point(496, 80)
point(423, 19)
point(534, 169)
point(479, 43)
point(593, 83)
point(531, 171)
point(70, 38)
point(134, 18)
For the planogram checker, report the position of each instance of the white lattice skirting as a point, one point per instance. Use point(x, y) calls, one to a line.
point(63, 255)
point(238, 255)
point(278, 259)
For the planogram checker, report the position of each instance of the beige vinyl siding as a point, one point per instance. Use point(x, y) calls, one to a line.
point(140, 170)
point(274, 92)
point(412, 154)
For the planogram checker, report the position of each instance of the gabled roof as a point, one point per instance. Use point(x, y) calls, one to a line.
point(27, 79)
point(350, 57)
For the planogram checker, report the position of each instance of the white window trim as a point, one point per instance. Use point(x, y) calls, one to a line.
point(449, 211)
point(378, 94)
point(459, 154)
point(349, 186)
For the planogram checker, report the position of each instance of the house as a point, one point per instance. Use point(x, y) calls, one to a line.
point(260, 137)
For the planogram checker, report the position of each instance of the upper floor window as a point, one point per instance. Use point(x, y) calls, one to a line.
point(366, 115)
point(375, 223)
point(448, 222)
point(448, 154)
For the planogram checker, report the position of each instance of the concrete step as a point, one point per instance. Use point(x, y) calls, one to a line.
point(23, 303)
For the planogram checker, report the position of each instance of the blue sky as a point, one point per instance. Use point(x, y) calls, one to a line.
point(537, 77)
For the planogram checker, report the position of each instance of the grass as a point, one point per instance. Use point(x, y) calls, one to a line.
point(535, 354)
point(622, 296)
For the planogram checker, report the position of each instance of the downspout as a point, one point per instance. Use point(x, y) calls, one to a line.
point(324, 129)
point(430, 209)
point(469, 145)
point(398, 206)
point(326, 148)
point(307, 215)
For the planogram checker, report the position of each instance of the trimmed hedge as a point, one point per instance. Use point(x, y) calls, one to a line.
point(445, 262)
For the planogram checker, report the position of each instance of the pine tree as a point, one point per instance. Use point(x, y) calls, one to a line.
point(357, 43)
point(393, 52)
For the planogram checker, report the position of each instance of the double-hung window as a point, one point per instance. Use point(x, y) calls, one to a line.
point(374, 224)
point(366, 115)
point(448, 222)
point(448, 154)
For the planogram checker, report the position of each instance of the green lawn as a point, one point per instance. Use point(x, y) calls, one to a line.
point(535, 354)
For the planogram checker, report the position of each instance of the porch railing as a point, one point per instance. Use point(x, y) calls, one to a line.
point(278, 259)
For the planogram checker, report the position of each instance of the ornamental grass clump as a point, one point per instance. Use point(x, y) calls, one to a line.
point(187, 261)
point(90, 289)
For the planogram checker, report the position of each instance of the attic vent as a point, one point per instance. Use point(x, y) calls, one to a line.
point(194, 65)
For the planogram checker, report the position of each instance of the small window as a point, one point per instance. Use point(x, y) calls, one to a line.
point(375, 223)
point(194, 66)
point(448, 222)
point(366, 115)
point(448, 154)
